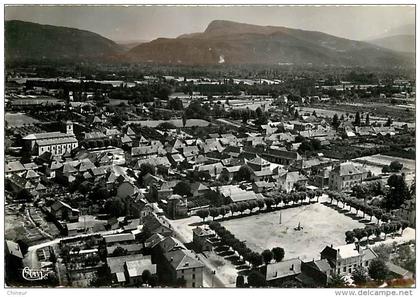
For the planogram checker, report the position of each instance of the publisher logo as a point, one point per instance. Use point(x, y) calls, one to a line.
point(32, 274)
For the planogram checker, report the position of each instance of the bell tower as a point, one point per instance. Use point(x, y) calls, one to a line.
point(69, 128)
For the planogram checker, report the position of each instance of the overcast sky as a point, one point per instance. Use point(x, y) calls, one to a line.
point(146, 23)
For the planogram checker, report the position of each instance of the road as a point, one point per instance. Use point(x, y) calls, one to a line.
point(31, 259)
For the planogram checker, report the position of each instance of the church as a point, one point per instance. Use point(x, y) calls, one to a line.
point(58, 143)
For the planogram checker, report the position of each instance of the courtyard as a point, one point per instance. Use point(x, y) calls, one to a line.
point(321, 224)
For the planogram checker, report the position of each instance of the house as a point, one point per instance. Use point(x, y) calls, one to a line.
point(315, 273)
point(262, 186)
point(127, 189)
point(276, 155)
point(122, 238)
point(182, 264)
point(63, 211)
point(346, 175)
point(263, 175)
point(399, 272)
point(159, 191)
point(259, 164)
point(129, 268)
point(177, 207)
point(201, 238)
point(212, 169)
point(130, 249)
point(345, 258)
point(154, 224)
point(231, 172)
point(287, 181)
point(13, 167)
point(13, 249)
point(198, 189)
point(285, 270)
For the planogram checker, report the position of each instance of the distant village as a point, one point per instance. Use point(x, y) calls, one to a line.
point(170, 181)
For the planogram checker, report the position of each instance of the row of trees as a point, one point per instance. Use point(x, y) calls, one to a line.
point(255, 259)
point(359, 205)
point(268, 203)
point(369, 231)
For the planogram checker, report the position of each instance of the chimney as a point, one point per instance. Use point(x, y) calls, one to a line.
point(172, 258)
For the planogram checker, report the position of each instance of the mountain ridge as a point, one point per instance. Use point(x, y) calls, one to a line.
point(27, 40)
point(238, 43)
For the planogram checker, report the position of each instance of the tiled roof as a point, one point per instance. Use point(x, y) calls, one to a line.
point(62, 140)
point(183, 259)
point(13, 167)
point(283, 269)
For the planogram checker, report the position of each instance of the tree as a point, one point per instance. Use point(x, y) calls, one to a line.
point(115, 206)
point(398, 192)
point(244, 173)
point(146, 168)
point(165, 126)
point(335, 121)
point(240, 281)
point(153, 281)
point(357, 119)
point(278, 253)
point(182, 188)
point(214, 212)
point(367, 121)
point(258, 112)
point(395, 166)
point(25, 195)
point(184, 120)
point(203, 213)
point(378, 270)
point(350, 237)
point(359, 275)
point(175, 104)
point(255, 259)
point(267, 256)
point(145, 276)
point(119, 251)
point(256, 279)
point(386, 169)
point(336, 281)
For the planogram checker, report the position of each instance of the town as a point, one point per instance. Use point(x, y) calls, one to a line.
point(126, 177)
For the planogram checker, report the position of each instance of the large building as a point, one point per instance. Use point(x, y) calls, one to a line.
point(346, 175)
point(344, 259)
point(57, 143)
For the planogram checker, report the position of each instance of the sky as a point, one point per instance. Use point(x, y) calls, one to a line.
point(145, 23)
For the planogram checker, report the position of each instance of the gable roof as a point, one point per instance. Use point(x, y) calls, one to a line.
point(183, 259)
point(283, 269)
point(13, 248)
point(13, 167)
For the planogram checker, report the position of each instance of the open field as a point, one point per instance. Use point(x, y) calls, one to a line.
point(321, 226)
point(376, 162)
point(400, 117)
point(177, 123)
point(18, 119)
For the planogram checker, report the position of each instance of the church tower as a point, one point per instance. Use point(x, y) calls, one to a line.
point(69, 128)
